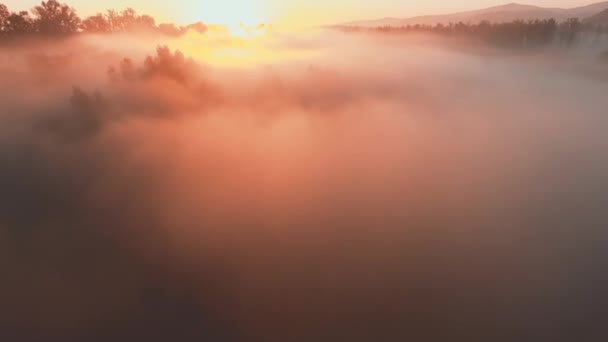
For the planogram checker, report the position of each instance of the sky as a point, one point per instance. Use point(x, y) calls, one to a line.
point(282, 12)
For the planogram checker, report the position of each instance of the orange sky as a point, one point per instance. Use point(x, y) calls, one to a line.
point(287, 12)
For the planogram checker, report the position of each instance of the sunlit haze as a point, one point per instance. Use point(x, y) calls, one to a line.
point(238, 171)
point(298, 13)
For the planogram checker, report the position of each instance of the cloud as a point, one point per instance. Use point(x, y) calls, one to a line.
point(376, 189)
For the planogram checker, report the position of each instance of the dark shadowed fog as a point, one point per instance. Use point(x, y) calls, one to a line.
point(354, 189)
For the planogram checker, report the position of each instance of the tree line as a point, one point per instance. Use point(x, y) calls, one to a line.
point(516, 34)
point(52, 18)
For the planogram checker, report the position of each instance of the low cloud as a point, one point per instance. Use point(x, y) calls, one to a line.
point(358, 188)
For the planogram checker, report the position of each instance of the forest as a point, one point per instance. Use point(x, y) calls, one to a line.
point(56, 19)
point(516, 34)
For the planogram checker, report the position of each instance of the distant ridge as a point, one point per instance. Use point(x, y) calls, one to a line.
point(497, 14)
point(599, 18)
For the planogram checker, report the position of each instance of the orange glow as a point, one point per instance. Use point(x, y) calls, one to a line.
point(236, 46)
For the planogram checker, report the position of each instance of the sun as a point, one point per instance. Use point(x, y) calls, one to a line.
point(229, 12)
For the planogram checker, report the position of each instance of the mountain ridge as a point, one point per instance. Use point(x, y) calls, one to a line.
point(600, 18)
point(501, 13)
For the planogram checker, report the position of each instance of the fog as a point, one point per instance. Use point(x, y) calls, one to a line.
point(301, 187)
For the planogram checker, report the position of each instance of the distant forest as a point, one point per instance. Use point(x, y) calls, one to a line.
point(55, 19)
point(516, 34)
point(52, 18)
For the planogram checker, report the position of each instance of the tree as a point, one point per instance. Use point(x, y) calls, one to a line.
point(54, 18)
point(113, 20)
point(129, 15)
point(4, 14)
point(145, 21)
point(123, 21)
point(570, 29)
point(549, 30)
point(128, 20)
point(96, 24)
point(18, 23)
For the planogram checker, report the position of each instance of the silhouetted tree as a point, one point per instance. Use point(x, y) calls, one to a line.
point(125, 21)
point(127, 71)
point(4, 14)
point(167, 64)
point(516, 34)
point(549, 29)
point(96, 24)
point(145, 21)
point(54, 18)
point(18, 23)
point(128, 18)
point(82, 121)
point(113, 19)
point(569, 30)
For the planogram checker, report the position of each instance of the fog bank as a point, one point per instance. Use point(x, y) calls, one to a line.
point(297, 188)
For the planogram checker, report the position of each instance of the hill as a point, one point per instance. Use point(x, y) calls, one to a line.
point(496, 14)
point(599, 18)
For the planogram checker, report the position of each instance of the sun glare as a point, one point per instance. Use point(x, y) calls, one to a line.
point(230, 12)
point(236, 46)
